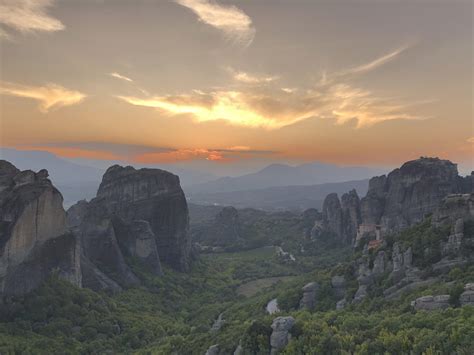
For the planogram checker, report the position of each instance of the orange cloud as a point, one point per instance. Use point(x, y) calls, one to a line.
point(179, 155)
point(49, 96)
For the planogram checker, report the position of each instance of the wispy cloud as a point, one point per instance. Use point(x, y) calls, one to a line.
point(376, 63)
point(29, 15)
point(120, 76)
point(49, 96)
point(272, 107)
point(247, 78)
point(233, 22)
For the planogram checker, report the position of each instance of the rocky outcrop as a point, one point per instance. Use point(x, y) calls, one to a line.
point(137, 214)
point(34, 241)
point(281, 333)
point(467, 297)
point(101, 248)
point(218, 323)
point(454, 207)
point(213, 350)
point(332, 214)
point(408, 194)
point(340, 217)
point(308, 301)
point(338, 284)
point(351, 215)
point(429, 303)
point(137, 240)
point(155, 196)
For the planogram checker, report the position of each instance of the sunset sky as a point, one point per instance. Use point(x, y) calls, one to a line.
point(161, 81)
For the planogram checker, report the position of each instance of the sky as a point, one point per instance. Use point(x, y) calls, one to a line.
point(348, 82)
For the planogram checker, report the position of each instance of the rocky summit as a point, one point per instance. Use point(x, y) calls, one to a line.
point(396, 201)
point(34, 241)
point(140, 214)
point(155, 196)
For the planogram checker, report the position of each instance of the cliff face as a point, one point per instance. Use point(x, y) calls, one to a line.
point(140, 214)
point(396, 201)
point(154, 196)
point(33, 236)
point(408, 194)
point(340, 217)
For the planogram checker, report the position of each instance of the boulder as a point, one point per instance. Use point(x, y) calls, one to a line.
point(34, 242)
point(281, 333)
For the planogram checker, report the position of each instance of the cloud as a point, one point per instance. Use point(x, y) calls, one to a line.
point(49, 96)
point(142, 153)
point(28, 15)
point(271, 107)
point(374, 64)
point(247, 78)
point(470, 140)
point(232, 21)
point(121, 77)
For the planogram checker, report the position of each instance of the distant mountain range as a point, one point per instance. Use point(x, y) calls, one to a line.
point(278, 197)
point(285, 175)
point(277, 186)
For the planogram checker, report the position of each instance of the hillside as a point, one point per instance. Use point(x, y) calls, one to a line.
point(280, 198)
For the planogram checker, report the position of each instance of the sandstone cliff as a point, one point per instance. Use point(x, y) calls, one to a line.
point(34, 241)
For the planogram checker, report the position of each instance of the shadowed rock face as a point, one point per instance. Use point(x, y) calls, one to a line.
point(33, 237)
point(408, 194)
point(155, 196)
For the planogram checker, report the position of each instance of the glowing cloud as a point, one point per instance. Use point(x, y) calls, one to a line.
point(247, 78)
point(235, 24)
point(470, 140)
point(120, 76)
point(180, 155)
point(28, 15)
point(49, 96)
point(273, 108)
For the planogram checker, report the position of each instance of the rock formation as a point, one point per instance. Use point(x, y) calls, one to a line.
point(467, 297)
point(281, 333)
point(408, 194)
point(155, 196)
point(332, 214)
point(429, 303)
point(308, 301)
point(34, 241)
point(140, 214)
point(396, 201)
point(351, 215)
point(213, 350)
